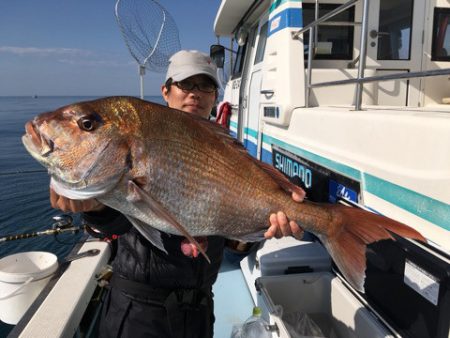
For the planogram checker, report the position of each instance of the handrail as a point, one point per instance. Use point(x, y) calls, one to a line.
point(334, 12)
point(396, 76)
point(360, 80)
point(312, 33)
point(340, 23)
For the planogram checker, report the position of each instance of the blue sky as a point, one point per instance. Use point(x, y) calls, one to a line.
point(74, 47)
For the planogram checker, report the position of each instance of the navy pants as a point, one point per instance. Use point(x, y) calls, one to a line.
point(162, 314)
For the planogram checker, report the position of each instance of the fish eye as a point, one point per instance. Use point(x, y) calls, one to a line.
point(88, 122)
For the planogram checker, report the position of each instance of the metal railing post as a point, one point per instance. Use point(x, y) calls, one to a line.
point(362, 55)
point(316, 17)
point(310, 57)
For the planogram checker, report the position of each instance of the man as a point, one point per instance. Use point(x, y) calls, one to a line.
point(154, 294)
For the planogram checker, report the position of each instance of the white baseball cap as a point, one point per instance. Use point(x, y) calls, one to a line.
point(187, 63)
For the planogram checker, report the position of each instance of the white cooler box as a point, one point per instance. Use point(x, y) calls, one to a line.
point(284, 256)
point(323, 298)
point(287, 256)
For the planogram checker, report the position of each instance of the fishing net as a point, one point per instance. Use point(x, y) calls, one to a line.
point(149, 31)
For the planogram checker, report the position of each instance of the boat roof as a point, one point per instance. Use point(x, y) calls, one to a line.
point(229, 15)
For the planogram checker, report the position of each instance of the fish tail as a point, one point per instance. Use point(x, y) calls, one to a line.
point(351, 230)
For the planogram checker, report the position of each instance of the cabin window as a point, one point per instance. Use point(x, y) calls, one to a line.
point(334, 42)
point(441, 35)
point(239, 62)
point(394, 30)
point(261, 43)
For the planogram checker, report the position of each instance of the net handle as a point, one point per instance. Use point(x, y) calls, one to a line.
point(159, 34)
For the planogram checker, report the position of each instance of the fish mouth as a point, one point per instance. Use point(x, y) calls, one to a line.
point(39, 143)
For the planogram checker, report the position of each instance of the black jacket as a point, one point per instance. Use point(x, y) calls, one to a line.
point(138, 260)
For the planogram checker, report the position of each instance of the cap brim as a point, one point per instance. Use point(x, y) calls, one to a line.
point(184, 75)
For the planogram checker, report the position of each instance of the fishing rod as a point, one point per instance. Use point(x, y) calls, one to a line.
point(17, 172)
point(62, 224)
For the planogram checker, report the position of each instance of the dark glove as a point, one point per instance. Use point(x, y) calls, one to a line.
point(107, 222)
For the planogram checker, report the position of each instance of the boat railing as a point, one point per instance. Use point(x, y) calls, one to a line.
point(360, 79)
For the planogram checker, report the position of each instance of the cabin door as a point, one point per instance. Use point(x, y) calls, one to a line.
point(252, 128)
point(395, 45)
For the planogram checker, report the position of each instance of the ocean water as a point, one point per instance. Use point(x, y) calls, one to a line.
point(24, 197)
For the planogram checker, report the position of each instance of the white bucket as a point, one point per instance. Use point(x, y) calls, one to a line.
point(22, 278)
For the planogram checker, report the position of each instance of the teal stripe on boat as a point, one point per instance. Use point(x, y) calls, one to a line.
point(247, 131)
point(278, 3)
point(422, 206)
point(251, 132)
point(417, 204)
point(336, 166)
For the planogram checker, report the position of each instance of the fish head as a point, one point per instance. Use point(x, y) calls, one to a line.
point(84, 146)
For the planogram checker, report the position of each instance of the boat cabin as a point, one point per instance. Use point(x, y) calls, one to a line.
point(370, 107)
point(350, 100)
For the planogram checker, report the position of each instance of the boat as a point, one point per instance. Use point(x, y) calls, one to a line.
point(351, 101)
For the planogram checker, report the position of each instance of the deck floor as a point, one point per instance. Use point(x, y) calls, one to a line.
point(233, 303)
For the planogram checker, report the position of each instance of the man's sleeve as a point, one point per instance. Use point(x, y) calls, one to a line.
point(107, 222)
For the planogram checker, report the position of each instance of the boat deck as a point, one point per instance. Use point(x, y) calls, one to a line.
point(233, 303)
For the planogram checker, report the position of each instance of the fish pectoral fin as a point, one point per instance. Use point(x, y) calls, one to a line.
point(140, 181)
point(151, 234)
point(138, 194)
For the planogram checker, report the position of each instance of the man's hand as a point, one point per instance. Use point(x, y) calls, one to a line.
point(280, 226)
point(190, 250)
point(66, 204)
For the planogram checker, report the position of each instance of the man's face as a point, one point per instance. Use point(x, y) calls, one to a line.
point(192, 100)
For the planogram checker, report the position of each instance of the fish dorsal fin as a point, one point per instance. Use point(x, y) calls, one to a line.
point(218, 131)
point(223, 134)
point(139, 194)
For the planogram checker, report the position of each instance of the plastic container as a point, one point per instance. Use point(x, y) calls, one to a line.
point(325, 301)
point(22, 278)
point(288, 255)
point(254, 327)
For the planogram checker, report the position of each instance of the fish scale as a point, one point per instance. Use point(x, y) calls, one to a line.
point(195, 182)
